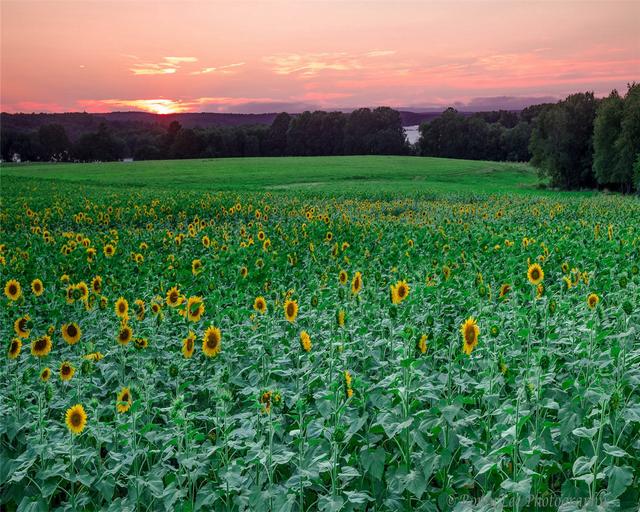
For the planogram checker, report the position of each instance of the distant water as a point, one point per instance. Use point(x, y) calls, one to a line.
point(413, 133)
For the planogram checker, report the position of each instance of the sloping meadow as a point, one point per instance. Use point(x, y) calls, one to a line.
point(287, 351)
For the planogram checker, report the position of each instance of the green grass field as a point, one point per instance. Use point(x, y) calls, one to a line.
point(364, 174)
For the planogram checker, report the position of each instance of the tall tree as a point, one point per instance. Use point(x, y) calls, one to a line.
point(277, 137)
point(606, 130)
point(628, 143)
point(562, 141)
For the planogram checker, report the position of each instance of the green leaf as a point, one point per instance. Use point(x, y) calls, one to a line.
point(522, 488)
point(416, 483)
point(614, 451)
point(583, 465)
point(373, 461)
point(619, 479)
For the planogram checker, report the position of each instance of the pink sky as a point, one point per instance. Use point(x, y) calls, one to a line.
point(238, 56)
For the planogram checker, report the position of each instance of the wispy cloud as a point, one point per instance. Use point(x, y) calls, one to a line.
point(224, 70)
point(168, 66)
point(311, 64)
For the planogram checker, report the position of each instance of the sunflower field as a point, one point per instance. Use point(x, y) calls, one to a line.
point(175, 350)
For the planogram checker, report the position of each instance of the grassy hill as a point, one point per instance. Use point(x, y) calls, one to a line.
point(358, 174)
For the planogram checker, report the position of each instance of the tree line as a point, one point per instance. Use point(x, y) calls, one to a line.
point(579, 142)
point(584, 142)
point(365, 131)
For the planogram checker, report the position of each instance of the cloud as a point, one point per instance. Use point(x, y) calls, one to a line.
point(225, 70)
point(168, 66)
point(311, 64)
point(380, 53)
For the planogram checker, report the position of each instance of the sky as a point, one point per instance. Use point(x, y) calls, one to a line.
point(267, 56)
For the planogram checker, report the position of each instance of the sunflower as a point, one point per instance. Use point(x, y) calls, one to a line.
point(188, 345)
point(174, 299)
point(265, 400)
point(140, 309)
point(156, 308)
point(211, 342)
point(70, 293)
point(195, 309)
point(124, 334)
point(343, 277)
point(196, 267)
point(290, 310)
point(592, 300)
point(341, 317)
point(122, 307)
point(141, 343)
point(84, 290)
point(124, 401)
point(399, 292)
point(22, 326)
point(12, 289)
point(37, 287)
point(66, 371)
point(109, 250)
point(356, 283)
point(15, 347)
point(260, 305)
point(446, 272)
point(71, 333)
point(504, 289)
point(94, 356)
point(470, 332)
point(41, 346)
point(305, 341)
point(244, 271)
point(96, 284)
point(45, 374)
point(422, 344)
point(76, 419)
point(535, 274)
point(347, 384)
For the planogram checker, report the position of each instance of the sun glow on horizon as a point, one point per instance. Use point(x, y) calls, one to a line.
point(159, 106)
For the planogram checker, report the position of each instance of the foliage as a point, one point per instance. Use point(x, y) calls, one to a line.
point(562, 142)
point(617, 138)
point(499, 136)
point(381, 410)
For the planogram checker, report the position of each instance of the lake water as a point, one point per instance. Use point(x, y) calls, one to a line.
point(413, 133)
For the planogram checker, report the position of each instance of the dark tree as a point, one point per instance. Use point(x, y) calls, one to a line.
point(54, 142)
point(562, 142)
point(628, 143)
point(277, 137)
point(606, 131)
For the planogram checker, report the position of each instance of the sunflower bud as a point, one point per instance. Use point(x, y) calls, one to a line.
point(614, 401)
point(544, 362)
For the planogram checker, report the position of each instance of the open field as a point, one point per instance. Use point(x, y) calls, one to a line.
point(360, 174)
point(316, 334)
